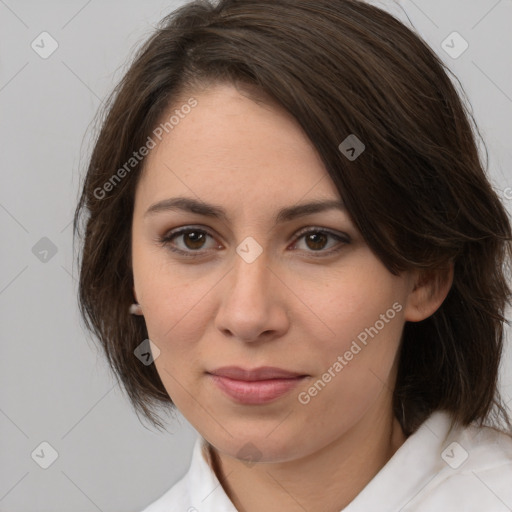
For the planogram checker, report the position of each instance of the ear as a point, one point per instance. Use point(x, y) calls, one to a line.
point(136, 309)
point(430, 288)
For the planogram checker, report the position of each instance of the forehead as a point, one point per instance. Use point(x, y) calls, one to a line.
point(230, 149)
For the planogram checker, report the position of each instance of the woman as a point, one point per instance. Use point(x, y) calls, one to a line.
point(286, 198)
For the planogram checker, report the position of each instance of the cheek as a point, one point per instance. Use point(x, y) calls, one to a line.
point(175, 322)
point(364, 302)
point(365, 320)
point(165, 291)
point(175, 313)
point(356, 370)
point(171, 303)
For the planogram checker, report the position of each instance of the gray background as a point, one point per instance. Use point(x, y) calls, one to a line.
point(54, 384)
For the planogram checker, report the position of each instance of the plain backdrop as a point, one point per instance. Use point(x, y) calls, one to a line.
point(55, 387)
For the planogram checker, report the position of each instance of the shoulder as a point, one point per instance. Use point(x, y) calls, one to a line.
point(198, 490)
point(177, 498)
point(475, 472)
point(174, 500)
point(477, 449)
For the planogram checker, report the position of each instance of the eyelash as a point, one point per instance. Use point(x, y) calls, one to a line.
point(166, 240)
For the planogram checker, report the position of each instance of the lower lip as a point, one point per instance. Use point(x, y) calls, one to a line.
point(255, 392)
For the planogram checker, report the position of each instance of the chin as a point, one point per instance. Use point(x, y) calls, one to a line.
point(256, 445)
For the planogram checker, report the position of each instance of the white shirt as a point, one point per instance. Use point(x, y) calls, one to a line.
point(435, 470)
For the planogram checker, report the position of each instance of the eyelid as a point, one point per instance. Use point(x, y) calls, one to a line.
point(320, 229)
point(342, 238)
point(167, 238)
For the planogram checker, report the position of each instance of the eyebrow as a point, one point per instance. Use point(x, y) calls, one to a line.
point(210, 210)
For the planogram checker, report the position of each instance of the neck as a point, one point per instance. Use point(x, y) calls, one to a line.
point(327, 480)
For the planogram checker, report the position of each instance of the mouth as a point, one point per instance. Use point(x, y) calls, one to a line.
point(257, 386)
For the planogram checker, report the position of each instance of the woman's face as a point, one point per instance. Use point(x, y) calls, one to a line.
point(253, 278)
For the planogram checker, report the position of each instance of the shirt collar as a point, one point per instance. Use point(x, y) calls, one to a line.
point(409, 470)
point(204, 489)
point(406, 473)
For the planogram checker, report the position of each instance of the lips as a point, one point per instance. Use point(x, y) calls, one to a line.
point(257, 386)
point(263, 373)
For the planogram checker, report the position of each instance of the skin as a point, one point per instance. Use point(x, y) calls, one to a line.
point(296, 306)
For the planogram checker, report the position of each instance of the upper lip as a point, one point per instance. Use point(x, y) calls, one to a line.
point(262, 373)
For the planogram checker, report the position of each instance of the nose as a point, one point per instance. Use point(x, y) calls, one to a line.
point(252, 304)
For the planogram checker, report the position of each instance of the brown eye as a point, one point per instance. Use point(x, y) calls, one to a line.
point(194, 239)
point(316, 241)
point(189, 241)
point(320, 242)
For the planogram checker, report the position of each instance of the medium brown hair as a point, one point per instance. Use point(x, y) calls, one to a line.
point(418, 193)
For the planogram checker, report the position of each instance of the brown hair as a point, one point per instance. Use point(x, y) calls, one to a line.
point(418, 193)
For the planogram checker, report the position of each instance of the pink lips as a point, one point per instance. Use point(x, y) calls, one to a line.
point(257, 386)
